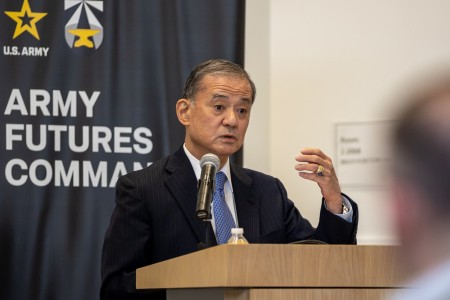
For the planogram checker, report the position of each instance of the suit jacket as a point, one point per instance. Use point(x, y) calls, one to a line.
point(154, 220)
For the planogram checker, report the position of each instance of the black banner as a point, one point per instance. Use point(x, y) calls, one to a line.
point(88, 92)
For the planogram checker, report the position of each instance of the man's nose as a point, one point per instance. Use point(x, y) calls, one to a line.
point(230, 118)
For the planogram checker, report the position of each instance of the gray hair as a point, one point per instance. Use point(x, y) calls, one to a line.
point(219, 67)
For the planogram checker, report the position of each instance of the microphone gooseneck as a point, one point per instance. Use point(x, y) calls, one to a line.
point(209, 164)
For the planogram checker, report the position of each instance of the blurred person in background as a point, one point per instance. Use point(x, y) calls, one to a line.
point(421, 190)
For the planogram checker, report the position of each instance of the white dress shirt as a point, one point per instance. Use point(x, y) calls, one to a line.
point(227, 189)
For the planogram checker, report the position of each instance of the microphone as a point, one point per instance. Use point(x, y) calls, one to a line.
point(209, 164)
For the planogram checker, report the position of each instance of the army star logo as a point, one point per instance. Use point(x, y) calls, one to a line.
point(26, 20)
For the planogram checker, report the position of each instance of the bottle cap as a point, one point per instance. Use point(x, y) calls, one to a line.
point(237, 230)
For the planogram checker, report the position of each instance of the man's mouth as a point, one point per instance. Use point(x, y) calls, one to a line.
point(228, 137)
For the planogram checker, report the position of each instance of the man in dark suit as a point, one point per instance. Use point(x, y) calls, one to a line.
point(154, 218)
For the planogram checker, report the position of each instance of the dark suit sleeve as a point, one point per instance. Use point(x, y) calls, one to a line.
point(126, 241)
point(331, 229)
point(334, 229)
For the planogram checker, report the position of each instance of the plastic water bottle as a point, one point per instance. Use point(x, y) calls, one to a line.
point(237, 237)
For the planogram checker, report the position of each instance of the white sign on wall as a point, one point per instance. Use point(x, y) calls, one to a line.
point(363, 153)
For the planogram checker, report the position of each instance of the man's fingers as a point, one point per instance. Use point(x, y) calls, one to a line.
point(309, 159)
point(314, 151)
point(309, 176)
point(311, 168)
point(312, 155)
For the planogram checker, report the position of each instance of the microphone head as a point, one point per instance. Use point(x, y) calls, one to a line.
point(210, 158)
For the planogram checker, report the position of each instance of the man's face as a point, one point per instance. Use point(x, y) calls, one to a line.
point(217, 119)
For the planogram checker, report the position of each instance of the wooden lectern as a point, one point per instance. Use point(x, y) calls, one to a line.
point(263, 271)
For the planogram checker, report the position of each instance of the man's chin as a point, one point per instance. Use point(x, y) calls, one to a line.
point(226, 150)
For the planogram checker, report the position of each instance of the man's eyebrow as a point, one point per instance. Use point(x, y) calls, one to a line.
point(220, 96)
point(247, 100)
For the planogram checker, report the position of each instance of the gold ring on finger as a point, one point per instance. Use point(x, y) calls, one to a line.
point(320, 170)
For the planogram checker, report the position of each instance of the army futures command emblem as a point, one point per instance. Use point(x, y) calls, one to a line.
point(83, 30)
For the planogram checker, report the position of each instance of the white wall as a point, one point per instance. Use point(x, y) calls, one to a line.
point(319, 62)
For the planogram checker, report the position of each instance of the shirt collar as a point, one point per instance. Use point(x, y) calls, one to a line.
point(198, 170)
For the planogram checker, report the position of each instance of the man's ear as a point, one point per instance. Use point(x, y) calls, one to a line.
point(183, 109)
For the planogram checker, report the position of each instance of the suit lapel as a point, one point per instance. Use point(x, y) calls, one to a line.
point(182, 183)
point(246, 204)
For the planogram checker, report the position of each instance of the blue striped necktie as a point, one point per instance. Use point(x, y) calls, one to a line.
point(222, 215)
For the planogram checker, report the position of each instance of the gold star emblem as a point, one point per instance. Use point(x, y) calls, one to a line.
point(25, 14)
point(83, 37)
